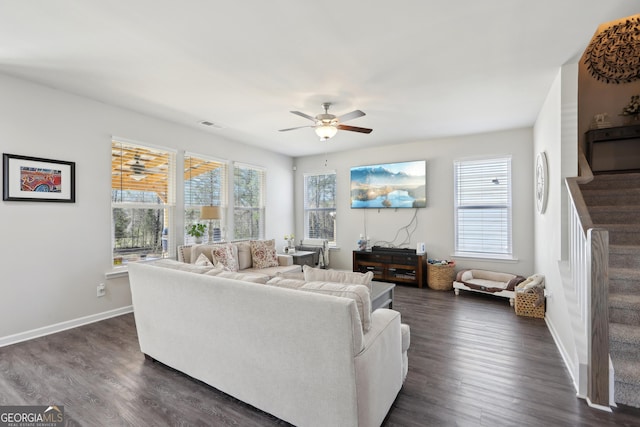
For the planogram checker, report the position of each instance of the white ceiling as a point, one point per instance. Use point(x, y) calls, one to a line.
point(419, 69)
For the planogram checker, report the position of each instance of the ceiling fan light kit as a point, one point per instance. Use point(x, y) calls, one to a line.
point(327, 125)
point(326, 131)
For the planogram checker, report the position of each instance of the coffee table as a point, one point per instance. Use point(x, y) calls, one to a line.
point(381, 295)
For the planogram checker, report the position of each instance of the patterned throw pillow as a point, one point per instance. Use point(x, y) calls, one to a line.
point(203, 261)
point(263, 254)
point(223, 257)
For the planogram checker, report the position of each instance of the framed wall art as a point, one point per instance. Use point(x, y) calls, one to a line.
point(542, 178)
point(32, 179)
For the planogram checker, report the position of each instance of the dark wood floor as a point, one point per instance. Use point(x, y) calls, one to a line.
point(472, 362)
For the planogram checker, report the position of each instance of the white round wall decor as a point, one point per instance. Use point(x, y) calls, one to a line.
point(542, 178)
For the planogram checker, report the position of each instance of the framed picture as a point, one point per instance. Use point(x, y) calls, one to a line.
point(32, 179)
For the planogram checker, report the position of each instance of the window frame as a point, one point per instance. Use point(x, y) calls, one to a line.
point(167, 246)
point(307, 210)
point(220, 200)
point(494, 200)
point(254, 208)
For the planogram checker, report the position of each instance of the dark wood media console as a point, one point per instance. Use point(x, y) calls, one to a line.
point(391, 266)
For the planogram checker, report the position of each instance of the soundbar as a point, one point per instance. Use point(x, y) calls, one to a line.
point(398, 250)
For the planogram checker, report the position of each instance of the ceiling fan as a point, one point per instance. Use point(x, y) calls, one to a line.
point(138, 169)
point(327, 125)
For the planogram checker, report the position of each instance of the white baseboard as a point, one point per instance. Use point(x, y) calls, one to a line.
point(563, 353)
point(63, 326)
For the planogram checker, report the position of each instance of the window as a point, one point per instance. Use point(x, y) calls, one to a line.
point(483, 207)
point(204, 185)
point(248, 196)
point(320, 206)
point(142, 201)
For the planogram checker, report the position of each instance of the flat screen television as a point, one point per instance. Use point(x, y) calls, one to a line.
point(389, 185)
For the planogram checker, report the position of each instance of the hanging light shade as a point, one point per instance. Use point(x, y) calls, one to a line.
point(326, 131)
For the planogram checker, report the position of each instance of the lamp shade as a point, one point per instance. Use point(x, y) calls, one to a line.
point(326, 131)
point(210, 212)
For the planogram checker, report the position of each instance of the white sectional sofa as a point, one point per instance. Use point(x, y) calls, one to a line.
point(243, 256)
point(305, 357)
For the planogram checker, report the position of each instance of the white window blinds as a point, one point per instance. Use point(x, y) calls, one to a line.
point(142, 201)
point(205, 184)
point(249, 201)
point(320, 206)
point(483, 207)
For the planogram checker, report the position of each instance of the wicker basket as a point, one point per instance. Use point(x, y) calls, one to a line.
point(526, 305)
point(440, 276)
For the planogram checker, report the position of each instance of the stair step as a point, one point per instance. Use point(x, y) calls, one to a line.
point(627, 380)
point(624, 280)
point(618, 197)
point(622, 234)
point(627, 214)
point(624, 338)
point(624, 256)
point(624, 308)
point(617, 180)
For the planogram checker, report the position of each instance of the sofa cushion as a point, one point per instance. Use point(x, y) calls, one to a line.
point(205, 249)
point(273, 271)
point(244, 255)
point(203, 261)
point(299, 275)
point(285, 282)
point(224, 257)
point(247, 277)
point(263, 253)
point(358, 293)
point(318, 274)
point(177, 265)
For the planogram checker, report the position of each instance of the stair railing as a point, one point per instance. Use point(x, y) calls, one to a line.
point(589, 269)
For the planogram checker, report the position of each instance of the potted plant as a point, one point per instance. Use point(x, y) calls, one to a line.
point(197, 231)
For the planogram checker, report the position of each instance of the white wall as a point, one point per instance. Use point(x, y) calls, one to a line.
point(435, 223)
point(555, 133)
point(55, 254)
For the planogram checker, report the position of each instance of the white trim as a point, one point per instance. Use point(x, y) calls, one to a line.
point(63, 326)
point(600, 407)
point(563, 353)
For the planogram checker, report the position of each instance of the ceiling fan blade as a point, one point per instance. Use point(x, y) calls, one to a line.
point(298, 127)
point(350, 116)
point(306, 116)
point(355, 129)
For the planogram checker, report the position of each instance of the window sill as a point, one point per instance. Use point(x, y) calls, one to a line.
point(485, 257)
point(123, 271)
point(116, 272)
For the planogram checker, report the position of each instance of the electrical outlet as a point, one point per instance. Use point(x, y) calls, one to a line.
point(101, 290)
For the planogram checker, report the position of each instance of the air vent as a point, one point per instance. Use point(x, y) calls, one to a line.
point(210, 124)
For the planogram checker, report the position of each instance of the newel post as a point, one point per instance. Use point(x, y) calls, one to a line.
point(598, 382)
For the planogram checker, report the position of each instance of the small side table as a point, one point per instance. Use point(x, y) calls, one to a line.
point(381, 295)
point(302, 257)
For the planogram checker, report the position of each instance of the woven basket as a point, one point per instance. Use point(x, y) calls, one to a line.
point(526, 305)
point(440, 276)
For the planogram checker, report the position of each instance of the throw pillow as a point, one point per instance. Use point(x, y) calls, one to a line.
point(196, 250)
point(358, 293)
point(224, 258)
point(203, 261)
point(263, 254)
point(318, 274)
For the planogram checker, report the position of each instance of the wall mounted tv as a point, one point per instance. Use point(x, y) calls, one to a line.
point(389, 185)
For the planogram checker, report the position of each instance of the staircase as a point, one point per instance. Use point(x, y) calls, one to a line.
point(614, 204)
